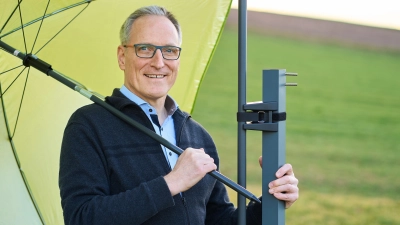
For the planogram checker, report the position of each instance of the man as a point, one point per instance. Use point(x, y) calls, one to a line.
point(111, 173)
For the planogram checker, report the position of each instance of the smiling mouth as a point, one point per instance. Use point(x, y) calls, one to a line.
point(157, 76)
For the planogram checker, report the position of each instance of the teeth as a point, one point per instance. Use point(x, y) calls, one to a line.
point(154, 76)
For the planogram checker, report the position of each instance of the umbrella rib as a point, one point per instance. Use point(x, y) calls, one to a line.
point(23, 32)
point(48, 15)
point(10, 69)
point(1, 94)
point(5, 118)
point(20, 104)
point(62, 29)
point(8, 20)
point(19, 163)
point(40, 26)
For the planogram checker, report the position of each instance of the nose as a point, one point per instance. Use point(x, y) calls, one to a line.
point(157, 61)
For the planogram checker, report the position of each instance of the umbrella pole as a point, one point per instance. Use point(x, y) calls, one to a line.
point(242, 70)
point(32, 60)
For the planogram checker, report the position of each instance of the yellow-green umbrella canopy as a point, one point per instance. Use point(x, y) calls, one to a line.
point(79, 39)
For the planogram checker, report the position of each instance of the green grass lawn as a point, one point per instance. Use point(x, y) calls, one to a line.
point(343, 125)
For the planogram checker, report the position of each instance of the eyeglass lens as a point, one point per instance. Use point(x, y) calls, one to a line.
point(148, 51)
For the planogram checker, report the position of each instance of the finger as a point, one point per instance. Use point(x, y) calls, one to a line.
point(196, 153)
point(260, 161)
point(202, 159)
point(289, 179)
point(200, 152)
point(288, 198)
point(287, 188)
point(210, 167)
point(286, 169)
point(205, 159)
point(190, 149)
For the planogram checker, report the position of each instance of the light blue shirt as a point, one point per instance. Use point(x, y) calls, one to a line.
point(165, 130)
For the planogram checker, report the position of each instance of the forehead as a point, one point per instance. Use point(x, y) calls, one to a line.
point(152, 29)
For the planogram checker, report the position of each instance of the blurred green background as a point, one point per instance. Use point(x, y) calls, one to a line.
point(343, 124)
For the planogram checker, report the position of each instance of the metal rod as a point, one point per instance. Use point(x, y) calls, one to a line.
point(242, 73)
point(46, 68)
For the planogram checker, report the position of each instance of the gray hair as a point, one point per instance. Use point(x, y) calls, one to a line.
point(125, 31)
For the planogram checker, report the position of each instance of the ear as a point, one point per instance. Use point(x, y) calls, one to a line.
point(121, 57)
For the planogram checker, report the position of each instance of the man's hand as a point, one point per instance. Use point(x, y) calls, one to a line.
point(191, 167)
point(285, 187)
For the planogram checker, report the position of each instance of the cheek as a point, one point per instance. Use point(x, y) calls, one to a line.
point(175, 68)
point(135, 68)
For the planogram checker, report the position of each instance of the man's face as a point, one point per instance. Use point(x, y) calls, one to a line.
point(150, 78)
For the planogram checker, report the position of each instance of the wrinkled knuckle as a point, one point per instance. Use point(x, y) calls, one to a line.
point(289, 188)
point(285, 197)
point(293, 181)
point(293, 189)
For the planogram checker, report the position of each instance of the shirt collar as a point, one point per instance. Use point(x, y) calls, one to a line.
point(170, 104)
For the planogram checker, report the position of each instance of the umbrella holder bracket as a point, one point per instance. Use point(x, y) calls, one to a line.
point(269, 117)
point(262, 116)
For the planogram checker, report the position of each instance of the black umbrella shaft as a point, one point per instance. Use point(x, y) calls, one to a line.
point(31, 60)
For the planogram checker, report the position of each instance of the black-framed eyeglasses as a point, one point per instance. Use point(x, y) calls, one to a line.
point(149, 50)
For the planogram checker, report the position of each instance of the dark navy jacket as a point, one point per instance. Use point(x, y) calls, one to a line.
point(111, 173)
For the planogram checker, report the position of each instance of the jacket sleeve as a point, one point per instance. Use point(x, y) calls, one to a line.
point(84, 185)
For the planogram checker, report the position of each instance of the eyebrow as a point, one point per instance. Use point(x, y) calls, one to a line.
point(145, 43)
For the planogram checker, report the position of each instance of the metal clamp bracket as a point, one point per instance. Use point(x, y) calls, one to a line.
point(261, 116)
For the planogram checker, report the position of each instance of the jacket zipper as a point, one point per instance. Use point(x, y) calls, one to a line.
point(183, 193)
point(180, 131)
point(185, 206)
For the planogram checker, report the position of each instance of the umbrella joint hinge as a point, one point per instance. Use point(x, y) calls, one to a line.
point(32, 60)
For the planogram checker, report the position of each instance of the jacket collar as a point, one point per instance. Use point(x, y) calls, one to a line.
point(119, 100)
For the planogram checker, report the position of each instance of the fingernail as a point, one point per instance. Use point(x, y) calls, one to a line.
point(271, 191)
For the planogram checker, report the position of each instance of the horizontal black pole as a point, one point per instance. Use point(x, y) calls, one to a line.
point(119, 114)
